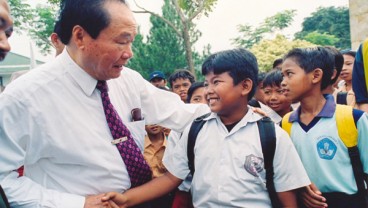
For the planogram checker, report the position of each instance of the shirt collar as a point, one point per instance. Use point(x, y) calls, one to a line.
point(327, 111)
point(81, 77)
point(147, 141)
point(251, 116)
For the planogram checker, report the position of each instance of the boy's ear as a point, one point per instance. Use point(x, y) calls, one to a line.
point(247, 85)
point(317, 75)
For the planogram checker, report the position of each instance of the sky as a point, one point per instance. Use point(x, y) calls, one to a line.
point(219, 28)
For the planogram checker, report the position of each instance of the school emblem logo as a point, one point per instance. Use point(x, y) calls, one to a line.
point(253, 164)
point(326, 149)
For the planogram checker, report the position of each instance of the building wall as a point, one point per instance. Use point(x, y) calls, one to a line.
point(358, 10)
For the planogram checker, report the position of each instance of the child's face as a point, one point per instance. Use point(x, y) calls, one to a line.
point(347, 68)
point(153, 129)
point(276, 99)
point(295, 81)
point(158, 82)
point(198, 96)
point(260, 95)
point(222, 96)
point(180, 86)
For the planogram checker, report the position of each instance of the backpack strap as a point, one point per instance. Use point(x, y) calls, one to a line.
point(285, 124)
point(341, 98)
point(346, 125)
point(192, 137)
point(349, 135)
point(365, 60)
point(267, 136)
point(3, 200)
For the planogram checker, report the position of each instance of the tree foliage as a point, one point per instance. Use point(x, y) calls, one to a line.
point(252, 35)
point(186, 10)
point(267, 51)
point(22, 13)
point(37, 22)
point(42, 27)
point(330, 21)
point(164, 48)
point(321, 39)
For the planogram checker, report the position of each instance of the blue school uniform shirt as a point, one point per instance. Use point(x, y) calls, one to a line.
point(324, 155)
point(359, 83)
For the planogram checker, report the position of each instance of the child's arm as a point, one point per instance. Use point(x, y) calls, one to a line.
point(312, 197)
point(151, 190)
point(288, 199)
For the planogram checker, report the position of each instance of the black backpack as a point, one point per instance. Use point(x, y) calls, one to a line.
point(3, 200)
point(268, 142)
point(341, 98)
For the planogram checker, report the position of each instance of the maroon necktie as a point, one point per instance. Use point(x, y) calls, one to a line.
point(138, 169)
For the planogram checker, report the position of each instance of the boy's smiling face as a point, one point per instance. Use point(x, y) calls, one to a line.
point(276, 99)
point(225, 98)
point(295, 81)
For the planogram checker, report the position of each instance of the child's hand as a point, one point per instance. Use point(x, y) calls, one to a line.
point(117, 198)
point(312, 197)
point(259, 111)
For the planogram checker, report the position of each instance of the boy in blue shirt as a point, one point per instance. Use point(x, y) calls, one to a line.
point(360, 76)
point(229, 163)
point(314, 130)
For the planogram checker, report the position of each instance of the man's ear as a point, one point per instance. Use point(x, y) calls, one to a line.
point(247, 85)
point(79, 36)
point(317, 75)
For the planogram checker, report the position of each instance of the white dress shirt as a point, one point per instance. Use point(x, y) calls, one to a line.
point(52, 122)
point(229, 165)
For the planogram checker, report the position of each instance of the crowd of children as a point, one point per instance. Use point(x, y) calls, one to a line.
point(323, 164)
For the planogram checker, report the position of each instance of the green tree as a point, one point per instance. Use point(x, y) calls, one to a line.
point(267, 51)
point(37, 22)
point(331, 21)
point(164, 49)
point(187, 10)
point(42, 27)
point(252, 35)
point(22, 13)
point(321, 39)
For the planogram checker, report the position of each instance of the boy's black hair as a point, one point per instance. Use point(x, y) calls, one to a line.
point(183, 74)
point(260, 77)
point(310, 59)
point(339, 62)
point(273, 78)
point(277, 62)
point(348, 52)
point(193, 88)
point(240, 63)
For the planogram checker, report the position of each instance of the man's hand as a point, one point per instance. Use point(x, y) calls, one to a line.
point(95, 201)
point(312, 197)
point(118, 199)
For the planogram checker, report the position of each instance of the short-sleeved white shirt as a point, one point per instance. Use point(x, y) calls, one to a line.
point(229, 165)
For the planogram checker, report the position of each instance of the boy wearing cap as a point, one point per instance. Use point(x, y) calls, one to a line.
point(157, 78)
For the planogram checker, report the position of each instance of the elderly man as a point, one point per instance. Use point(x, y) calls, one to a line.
point(75, 138)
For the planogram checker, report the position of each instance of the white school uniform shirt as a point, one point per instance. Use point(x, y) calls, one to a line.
point(172, 140)
point(275, 117)
point(229, 165)
point(52, 122)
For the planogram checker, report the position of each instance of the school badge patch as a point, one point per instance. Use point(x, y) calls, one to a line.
point(253, 164)
point(326, 149)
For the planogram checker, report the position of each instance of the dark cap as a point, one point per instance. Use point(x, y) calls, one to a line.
point(156, 74)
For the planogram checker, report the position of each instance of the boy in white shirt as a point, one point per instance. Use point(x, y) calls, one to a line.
point(228, 153)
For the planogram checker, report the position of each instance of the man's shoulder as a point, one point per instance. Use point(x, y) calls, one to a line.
point(28, 83)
